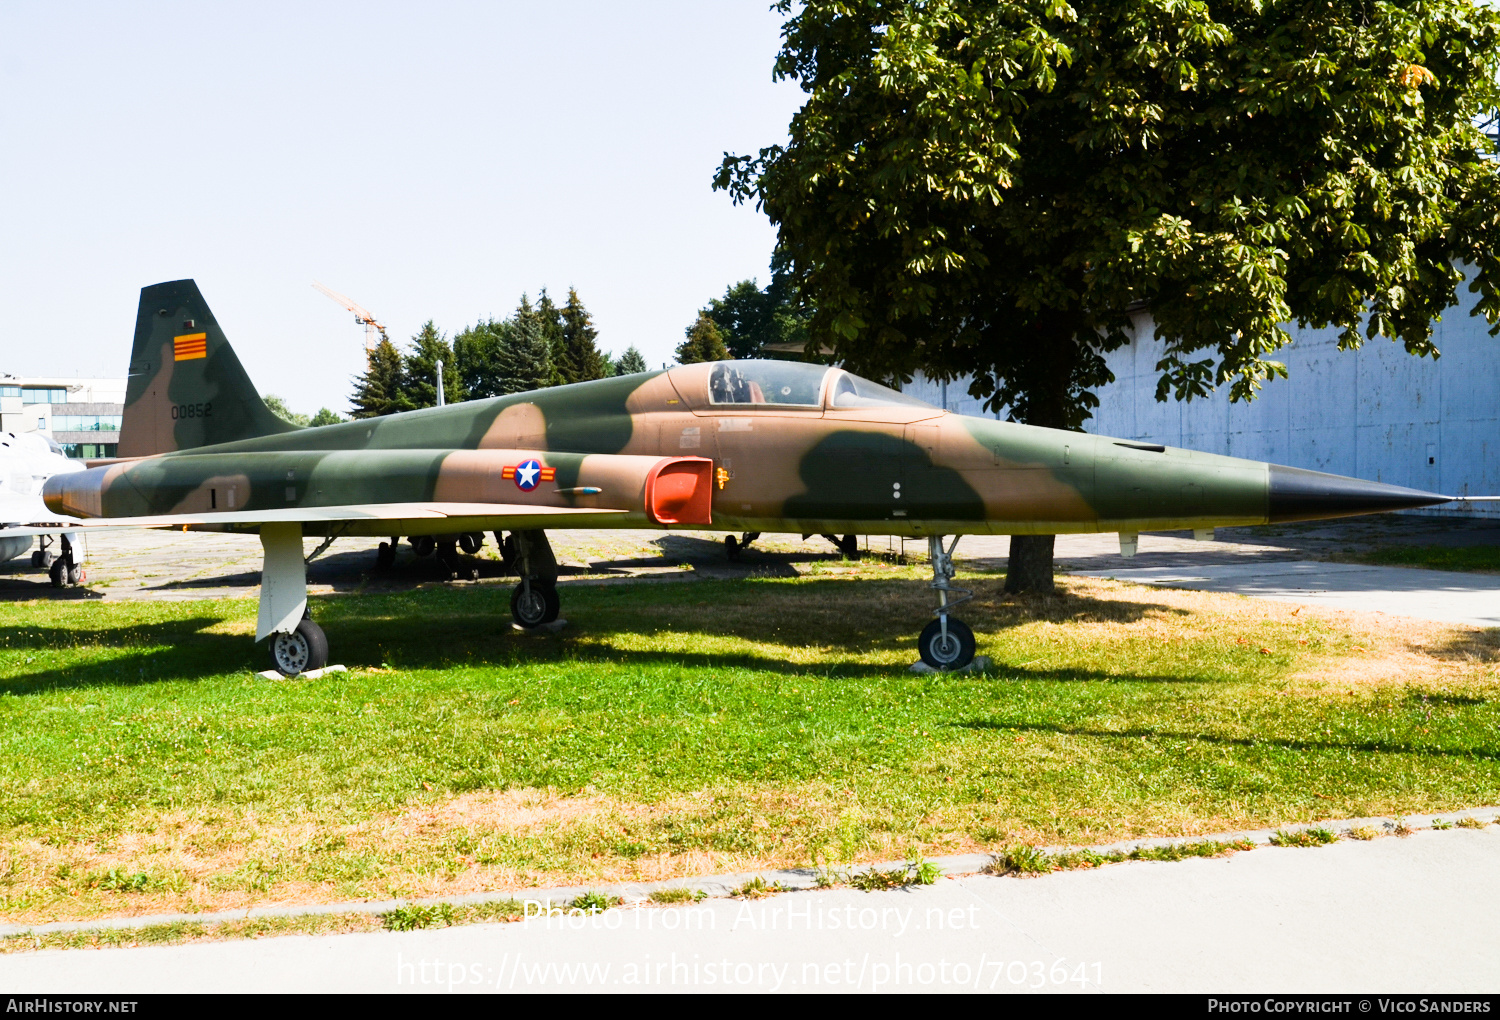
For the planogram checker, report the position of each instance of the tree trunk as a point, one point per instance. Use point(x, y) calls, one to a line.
point(1047, 386)
point(1030, 566)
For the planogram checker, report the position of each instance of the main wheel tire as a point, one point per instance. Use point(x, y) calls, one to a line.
point(385, 556)
point(956, 652)
point(303, 649)
point(58, 572)
point(76, 573)
point(534, 605)
point(731, 548)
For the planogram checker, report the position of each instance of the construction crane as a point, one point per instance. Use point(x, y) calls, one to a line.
point(361, 316)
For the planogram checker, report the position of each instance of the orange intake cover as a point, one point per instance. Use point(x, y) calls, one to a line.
point(680, 490)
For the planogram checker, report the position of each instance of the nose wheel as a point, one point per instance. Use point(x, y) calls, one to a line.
point(946, 643)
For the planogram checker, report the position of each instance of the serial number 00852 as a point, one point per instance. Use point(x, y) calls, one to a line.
point(192, 410)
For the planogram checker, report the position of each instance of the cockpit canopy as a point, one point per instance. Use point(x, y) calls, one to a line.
point(790, 384)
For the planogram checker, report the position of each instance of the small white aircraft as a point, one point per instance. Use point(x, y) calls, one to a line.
point(27, 460)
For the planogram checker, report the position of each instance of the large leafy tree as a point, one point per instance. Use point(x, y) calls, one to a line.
point(378, 390)
point(479, 357)
point(750, 319)
point(988, 188)
point(279, 409)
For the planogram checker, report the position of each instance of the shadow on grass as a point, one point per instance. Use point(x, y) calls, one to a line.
point(448, 627)
point(1287, 744)
point(1465, 646)
point(190, 653)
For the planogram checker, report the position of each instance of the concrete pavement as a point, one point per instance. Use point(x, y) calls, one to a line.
point(1440, 595)
point(1408, 915)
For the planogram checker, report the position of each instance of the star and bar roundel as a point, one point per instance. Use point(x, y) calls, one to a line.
point(529, 473)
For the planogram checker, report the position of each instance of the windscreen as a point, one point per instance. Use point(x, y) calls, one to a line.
point(787, 383)
point(852, 391)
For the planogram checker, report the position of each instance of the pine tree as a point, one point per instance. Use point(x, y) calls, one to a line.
point(703, 343)
point(526, 358)
point(419, 369)
point(549, 321)
point(630, 362)
point(376, 392)
point(582, 359)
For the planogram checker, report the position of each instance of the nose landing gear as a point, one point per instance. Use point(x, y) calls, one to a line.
point(946, 643)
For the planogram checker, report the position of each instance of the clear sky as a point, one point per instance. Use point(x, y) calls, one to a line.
point(430, 160)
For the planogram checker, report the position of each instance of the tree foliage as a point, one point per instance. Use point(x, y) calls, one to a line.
point(986, 187)
point(279, 409)
point(526, 359)
point(631, 362)
point(479, 357)
point(702, 343)
point(581, 359)
point(751, 319)
point(491, 358)
point(377, 391)
point(325, 417)
point(419, 371)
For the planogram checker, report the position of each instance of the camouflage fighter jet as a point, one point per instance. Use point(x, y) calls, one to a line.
point(736, 446)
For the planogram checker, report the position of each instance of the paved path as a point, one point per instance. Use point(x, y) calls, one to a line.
point(1407, 915)
point(1441, 595)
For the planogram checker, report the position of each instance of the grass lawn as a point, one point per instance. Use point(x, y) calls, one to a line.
point(685, 728)
point(1438, 557)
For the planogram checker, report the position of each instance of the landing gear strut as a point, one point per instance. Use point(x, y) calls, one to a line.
point(946, 643)
point(534, 601)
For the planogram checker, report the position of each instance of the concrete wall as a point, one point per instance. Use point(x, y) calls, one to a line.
point(1375, 413)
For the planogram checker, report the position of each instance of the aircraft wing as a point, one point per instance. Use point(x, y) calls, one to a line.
point(362, 512)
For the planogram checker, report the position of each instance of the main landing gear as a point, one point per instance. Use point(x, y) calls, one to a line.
point(534, 601)
point(447, 549)
point(297, 643)
point(946, 643)
point(64, 569)
point(733, 547)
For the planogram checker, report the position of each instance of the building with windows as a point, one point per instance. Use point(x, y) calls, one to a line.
point(82, 415)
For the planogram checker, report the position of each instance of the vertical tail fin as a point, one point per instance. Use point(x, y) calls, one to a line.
point(186, 388)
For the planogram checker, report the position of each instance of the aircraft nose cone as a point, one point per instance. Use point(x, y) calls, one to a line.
point(1298, 495)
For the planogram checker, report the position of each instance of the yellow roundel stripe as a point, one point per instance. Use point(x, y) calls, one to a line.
point(192, 345)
